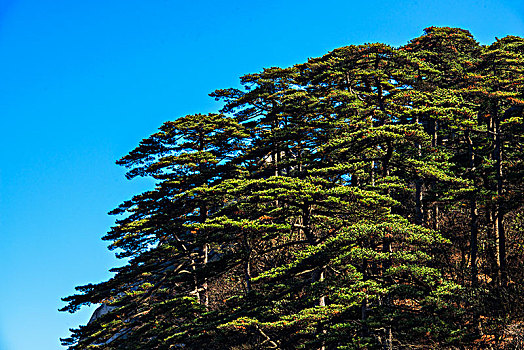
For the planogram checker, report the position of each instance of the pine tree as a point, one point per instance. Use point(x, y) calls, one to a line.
point(370, 198)
point(162, 282)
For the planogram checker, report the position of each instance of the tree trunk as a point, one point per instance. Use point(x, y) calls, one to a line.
point(247, 275)
point(386, 248)
point(500, 252)
point(436, 225)
point(500, 236)
point(247, 264)
point(317, 274)
point(372, 173)
point(364, 306)
point(203, 286)
point(473, 215)
point(419, 213)
point(434, 137)
point(473, 241)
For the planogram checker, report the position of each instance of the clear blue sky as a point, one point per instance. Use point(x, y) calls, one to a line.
point(81, 82)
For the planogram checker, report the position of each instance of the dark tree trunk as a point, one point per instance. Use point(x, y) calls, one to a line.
point(386, 302)
point(473, 242)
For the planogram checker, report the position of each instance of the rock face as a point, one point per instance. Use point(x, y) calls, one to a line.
point(100, 311)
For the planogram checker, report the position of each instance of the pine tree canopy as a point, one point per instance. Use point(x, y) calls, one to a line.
point(371, 198)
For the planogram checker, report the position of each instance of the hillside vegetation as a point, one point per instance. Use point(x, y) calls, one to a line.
point(371, 198)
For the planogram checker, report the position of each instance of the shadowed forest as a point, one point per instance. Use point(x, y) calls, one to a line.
point(371, 198)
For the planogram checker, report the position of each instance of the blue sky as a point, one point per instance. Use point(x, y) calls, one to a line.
point(82, 82)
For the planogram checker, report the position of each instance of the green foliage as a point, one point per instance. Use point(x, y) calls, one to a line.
point(370, 198)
